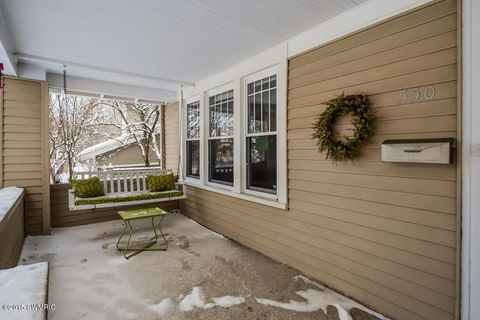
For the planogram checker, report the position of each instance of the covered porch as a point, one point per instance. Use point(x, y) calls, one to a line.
point(267, 223)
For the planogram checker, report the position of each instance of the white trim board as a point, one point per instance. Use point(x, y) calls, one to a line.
point(470, 309)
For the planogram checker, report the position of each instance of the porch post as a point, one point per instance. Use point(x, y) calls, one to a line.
point(471, 162)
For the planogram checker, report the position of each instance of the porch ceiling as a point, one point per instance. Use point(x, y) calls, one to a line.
point(183, 40)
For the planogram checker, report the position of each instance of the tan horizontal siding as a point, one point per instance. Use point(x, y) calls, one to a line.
point(24, 108)
point(172, 135)
point(416, 79)
point(379, 31)
point(383, 233)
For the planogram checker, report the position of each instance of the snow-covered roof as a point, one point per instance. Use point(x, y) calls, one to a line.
point(104, 147)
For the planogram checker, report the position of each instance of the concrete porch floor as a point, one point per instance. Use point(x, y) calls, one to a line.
point(202, 276)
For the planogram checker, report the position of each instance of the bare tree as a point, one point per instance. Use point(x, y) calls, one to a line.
point(140, 121)
point(71, 121)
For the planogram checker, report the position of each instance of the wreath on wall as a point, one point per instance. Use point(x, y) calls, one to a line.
point(363, 122)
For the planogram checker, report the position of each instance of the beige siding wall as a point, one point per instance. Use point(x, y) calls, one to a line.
point(385, 234)
point(172, 136)
point(25, 148)
point(63, 217)
point(125, 156)
point(12, 234)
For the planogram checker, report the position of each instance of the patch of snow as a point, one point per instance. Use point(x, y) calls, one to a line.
point(319, 300)
point(24, 285)
point(8, 196)
point(316, 300)
point(164, 307)
point(228, 301)
point(194, 299)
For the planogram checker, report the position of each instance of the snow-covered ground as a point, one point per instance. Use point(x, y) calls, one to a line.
point(202, 275)
point(8, 196)
point(22, 289)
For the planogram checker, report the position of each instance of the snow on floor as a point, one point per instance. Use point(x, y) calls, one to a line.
point(195, 299)
point(200, 276)
point(22, 286)
point(8, 196)
point(319, 299)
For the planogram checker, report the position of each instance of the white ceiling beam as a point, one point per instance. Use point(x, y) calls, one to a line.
point(105, 88)
point(44, 60)
point(6, 50)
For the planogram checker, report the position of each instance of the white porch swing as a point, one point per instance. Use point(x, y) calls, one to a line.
point(127, 187)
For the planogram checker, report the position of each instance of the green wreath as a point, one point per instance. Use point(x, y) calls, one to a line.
point(363, 121)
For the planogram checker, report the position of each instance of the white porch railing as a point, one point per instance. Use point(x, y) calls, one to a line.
point(117, 181)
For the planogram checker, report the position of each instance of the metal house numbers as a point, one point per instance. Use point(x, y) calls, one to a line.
point(417, 94)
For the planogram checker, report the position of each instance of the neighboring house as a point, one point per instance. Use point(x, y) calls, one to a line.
point(114, 153)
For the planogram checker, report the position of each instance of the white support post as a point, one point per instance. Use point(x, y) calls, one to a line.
point(470, 308)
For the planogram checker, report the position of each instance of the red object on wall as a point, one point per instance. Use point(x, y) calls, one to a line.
point(1, 75)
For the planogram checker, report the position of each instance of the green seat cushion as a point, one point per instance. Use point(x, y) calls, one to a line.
point(161, 182)
point(87, 188)
point(125, 197)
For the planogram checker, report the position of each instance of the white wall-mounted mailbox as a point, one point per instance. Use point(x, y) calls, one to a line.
point(439, 151)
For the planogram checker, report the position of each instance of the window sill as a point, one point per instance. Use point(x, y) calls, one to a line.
point(244, 196)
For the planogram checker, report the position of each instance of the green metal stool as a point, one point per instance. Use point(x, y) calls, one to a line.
point(130, 215)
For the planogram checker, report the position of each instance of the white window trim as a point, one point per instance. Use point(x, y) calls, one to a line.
point(206, 138)
point(190, 180)
point(251, 78)
point(239, 190)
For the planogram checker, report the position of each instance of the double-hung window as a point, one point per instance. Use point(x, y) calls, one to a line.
point(220, 138)
point(261, 134)
point(239, 148)
point(193, 140)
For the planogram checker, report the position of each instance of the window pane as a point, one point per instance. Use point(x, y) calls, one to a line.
point(273, 110)
point(221, 161)
point(229, 123)
point(273, 81)
point(258, 113)
point(265, 83)
point(251, 114)
point(193, 159)
point(223, 119)
point(258, 85)
point(212, 122)
point(262, 163)
point(265, 111)
point(193, 120)
point(221, 115)
point(262, 105)
point(250, 88)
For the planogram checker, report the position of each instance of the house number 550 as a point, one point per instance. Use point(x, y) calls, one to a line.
point(417, 94)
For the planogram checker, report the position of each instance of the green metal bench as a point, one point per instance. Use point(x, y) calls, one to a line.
point(129, 215)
